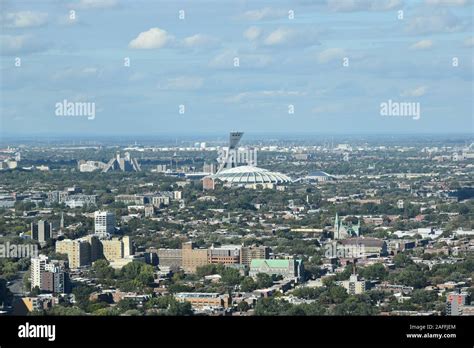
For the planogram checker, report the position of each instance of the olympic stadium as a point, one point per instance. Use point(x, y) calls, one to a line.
point(250, 175)
point(238, 167)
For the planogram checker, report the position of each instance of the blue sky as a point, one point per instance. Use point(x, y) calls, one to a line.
point(282, 61)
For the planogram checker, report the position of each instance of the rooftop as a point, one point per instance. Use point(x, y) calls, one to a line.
point(250, 175)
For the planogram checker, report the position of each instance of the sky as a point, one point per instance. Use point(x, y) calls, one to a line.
point(150, 67)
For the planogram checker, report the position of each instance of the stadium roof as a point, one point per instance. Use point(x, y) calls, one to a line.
point(250, 175)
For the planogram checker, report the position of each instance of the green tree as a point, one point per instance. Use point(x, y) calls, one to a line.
point(102, 270)
point(230, 276)
point(26, 280)
point(161, 302)
point(59, 310)
point(373, 272)
point(410, 276)
point(355, 305)
point(179, 308)
point(271, 306)
point(94, 306)
point(35, 291)
point(402, 260)
point(5, 294)
point(126, 304)
point(337, 294)
point(308, 293)
point(264, 281)
point(206, 270)
point(247, 284)
point(82, 294)
point(243, 306)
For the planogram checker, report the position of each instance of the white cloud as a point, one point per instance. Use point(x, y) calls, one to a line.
point(266, 12)
point(440, 22)
point(67, 20)
point(416, 92)
point(363, 5)
point(280, 36)
point(19, 44)
point(150, 39)
point(446, 2)
point(331, 54)
point(81, 97)
point(422, 45)
point(23, 19)
point(90, 70)
point(12, 43)
point(225, 60)
point(469, 42)
point(137, 76)
point(252, 33)
point(199, 40)
point(325, 109)
point(284, 36)
point(264, 94)
point(183, 83)
point(76, 73)
point(94, 4)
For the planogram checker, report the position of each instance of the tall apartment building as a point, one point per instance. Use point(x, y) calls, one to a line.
point(96, 247)
point(78, 251)
point(193, 258)
point(49, 275)
point(41, 231)
point(247, 254)
point(115, 248)
point(104, 222)
point(149, 210)
point(84, 251)
point(210, 168)
point(38, 265)
point(456, 301)
point(354, 286)
point(157, 201)
point(127, 246)
point(112, 249)
point(55, 280)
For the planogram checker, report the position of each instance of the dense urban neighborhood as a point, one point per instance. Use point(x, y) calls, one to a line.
point(310, 226)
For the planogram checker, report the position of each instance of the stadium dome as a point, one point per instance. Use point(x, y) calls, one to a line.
point(250, 175)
